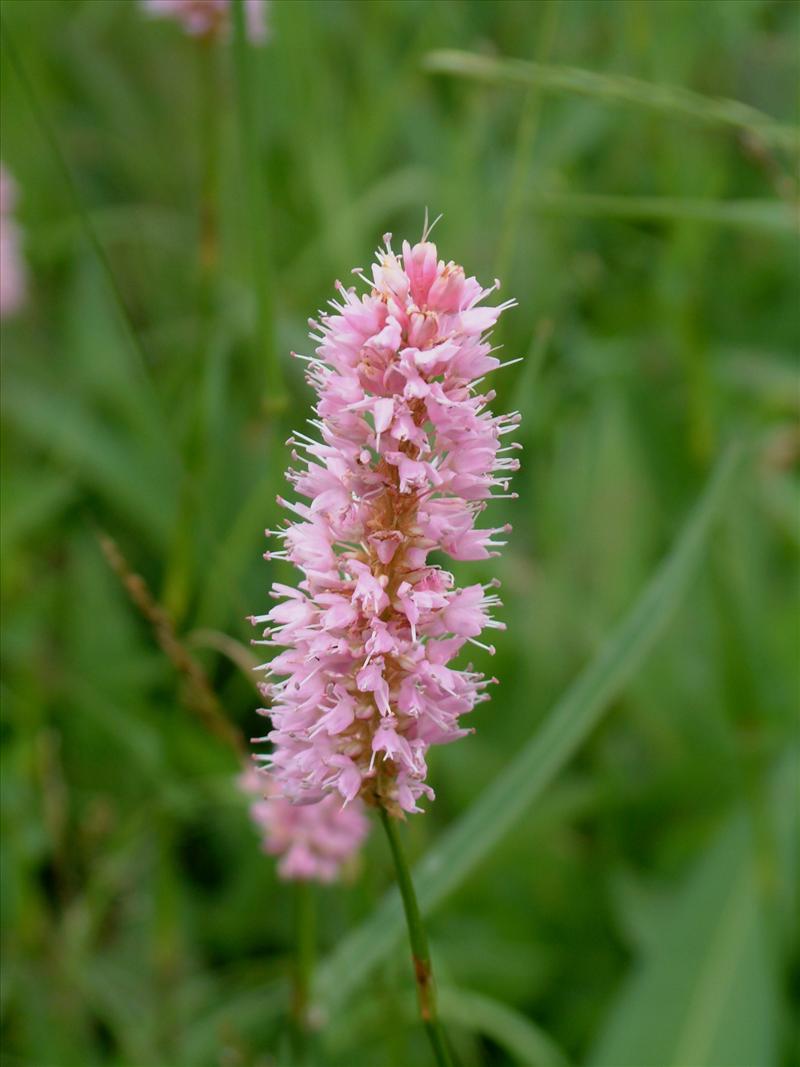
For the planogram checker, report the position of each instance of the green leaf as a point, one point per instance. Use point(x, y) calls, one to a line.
point(471, 838)
point(769, 379)
point(512, 1031)
point(50, 135)
point(254, 195)
point(30, 505)
point(94, 454)
point(703, 996)
point(525, 1042)
point(616, 89)
point(769, 216)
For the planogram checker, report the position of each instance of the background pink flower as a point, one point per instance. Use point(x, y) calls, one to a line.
point(314, 841)
point(13, 275)
point(207, 18)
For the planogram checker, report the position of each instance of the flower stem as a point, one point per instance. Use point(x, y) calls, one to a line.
point(209, 132)
point(305, 940)
point(420, 952)
point(520, 180)
point(255, 197)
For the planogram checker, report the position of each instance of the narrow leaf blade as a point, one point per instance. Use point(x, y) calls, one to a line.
point(616, 89)
point(472, 837)
point(704, 995)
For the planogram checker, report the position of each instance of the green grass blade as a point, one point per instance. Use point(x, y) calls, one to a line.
point(526, 135)
point(469, 841)
point(48, 134)
point(256, 201)
point(704, 993)
point(526, 1042)
point(85, 449)
point(770, 216)
point(617, 89)
point(770, 379)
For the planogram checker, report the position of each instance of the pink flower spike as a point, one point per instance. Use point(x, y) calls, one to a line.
point(314, 841)
point(407, 459)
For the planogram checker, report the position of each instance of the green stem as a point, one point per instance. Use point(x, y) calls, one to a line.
point(305, 931)
point(209, 112)
point(256, 205)
point(49, 135)
point(420, 952)
point(209, 330)
point(305, 940)
point(526, 134)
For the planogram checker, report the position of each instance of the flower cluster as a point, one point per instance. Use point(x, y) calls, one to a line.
point(409, 456)
point(13, 282)
point(314, 841)
point(210, 18)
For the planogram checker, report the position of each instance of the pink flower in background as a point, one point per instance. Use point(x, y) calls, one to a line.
point(209, 18)
point(408, 459)
point(314, 841)
point(13, 276)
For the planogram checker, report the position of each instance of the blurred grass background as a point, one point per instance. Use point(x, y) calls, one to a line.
point(644, 911)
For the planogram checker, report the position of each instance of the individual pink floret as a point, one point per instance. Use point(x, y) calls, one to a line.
point(13, 275)
point(408, 459)
point(210, 18)
point(314, 841)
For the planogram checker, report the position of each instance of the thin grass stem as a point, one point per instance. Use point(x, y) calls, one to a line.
point(208, 137)
point(48, 133)
point(526, 133)
point(305, 932)
point(256, 206)
point(671, 100)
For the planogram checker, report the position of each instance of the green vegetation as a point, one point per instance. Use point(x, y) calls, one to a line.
point(608, 872)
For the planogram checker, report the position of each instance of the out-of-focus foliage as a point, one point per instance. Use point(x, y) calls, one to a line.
point(642, 910)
